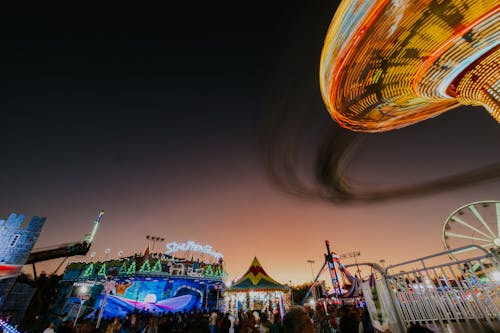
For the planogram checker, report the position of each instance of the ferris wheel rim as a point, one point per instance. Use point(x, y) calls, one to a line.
point(456, 211)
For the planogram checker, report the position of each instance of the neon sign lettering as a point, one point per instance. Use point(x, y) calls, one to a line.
point(192, 246)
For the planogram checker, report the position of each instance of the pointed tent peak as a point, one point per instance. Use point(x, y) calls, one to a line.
point(147, 251)
point(256, 278)
point(255, 262)
point(256, 268)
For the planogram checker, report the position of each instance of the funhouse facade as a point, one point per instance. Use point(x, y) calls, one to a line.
point(157, 283)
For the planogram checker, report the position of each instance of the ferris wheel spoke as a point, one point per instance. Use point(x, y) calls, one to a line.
point(465, 224)
point(498, 218)
point(452, 234)
point(480, 218)
point(477, 231)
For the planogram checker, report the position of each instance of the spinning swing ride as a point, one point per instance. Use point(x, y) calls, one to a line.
point(389, 64)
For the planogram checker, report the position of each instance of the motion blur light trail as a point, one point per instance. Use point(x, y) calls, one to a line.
point(385, 65)
point(389, 64)
point(329, 181)
point(333, 159)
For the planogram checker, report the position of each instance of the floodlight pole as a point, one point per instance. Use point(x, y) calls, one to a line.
point(355, 255)
point(310, 261)
point(154, 239)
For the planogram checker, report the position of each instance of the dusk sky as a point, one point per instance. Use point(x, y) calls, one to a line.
point(161, 117)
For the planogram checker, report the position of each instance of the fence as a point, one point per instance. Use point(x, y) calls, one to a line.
point(458, 296)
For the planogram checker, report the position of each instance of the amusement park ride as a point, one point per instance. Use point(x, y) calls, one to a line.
point(336, 269)
point(476, 223)
point(66, 250)
point(389, 64)
point(19, 239)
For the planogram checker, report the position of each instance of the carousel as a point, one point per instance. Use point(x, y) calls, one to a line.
point(256, 290)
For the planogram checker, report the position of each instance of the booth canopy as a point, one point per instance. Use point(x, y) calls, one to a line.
point(256, 279)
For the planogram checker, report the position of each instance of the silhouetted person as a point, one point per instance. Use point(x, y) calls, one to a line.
point(297, 321)
point(226, 324)
point(50, 328)
point(65, 327)
point(115, 326)
point(366, 322)
point(349, 323)
point(277, 324)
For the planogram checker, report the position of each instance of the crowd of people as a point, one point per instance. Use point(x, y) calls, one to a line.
point(322, 319)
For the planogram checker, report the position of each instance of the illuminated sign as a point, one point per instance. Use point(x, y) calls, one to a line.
point(85, 284)
point(193, 246)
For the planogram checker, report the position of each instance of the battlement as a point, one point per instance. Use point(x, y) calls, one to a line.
point(16, 221)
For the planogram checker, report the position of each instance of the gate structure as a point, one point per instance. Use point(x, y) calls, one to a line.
point(457, 296)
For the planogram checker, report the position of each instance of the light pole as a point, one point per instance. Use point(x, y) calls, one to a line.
point(154, 239)
point(310, 261)
point(291, 291)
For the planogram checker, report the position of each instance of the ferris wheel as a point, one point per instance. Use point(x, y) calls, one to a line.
point(475, 223)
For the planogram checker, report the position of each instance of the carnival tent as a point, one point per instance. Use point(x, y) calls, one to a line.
point(256, 290)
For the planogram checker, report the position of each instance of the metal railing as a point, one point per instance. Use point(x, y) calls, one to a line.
point(448, 296)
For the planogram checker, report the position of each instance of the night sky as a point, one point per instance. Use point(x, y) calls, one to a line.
point(161, 117)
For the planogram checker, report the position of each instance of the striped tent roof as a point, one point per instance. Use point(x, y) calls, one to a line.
point(256, 279)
